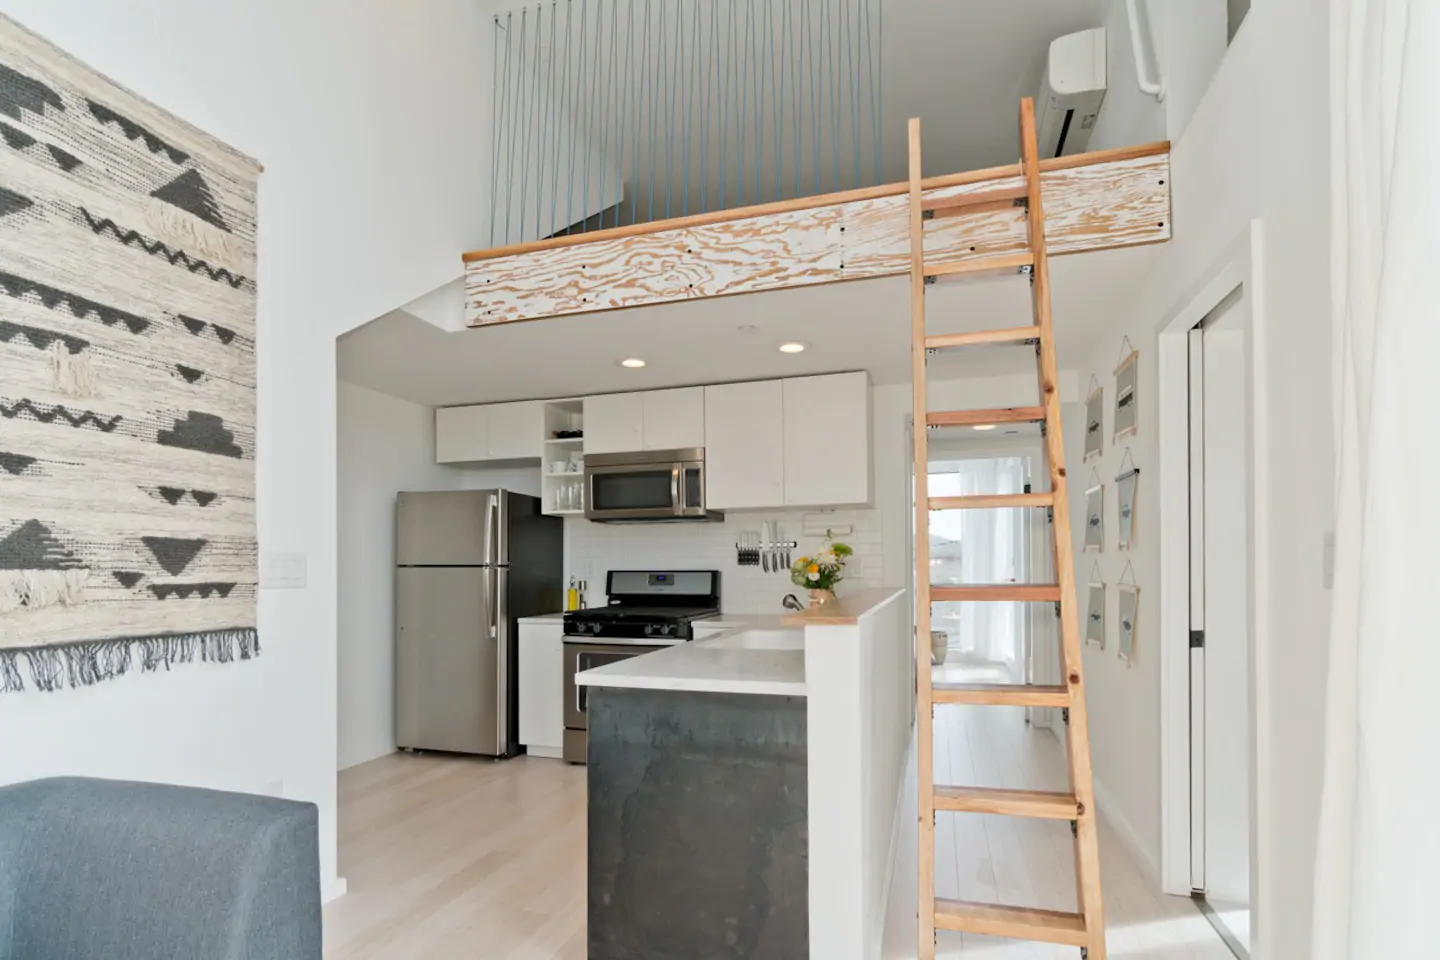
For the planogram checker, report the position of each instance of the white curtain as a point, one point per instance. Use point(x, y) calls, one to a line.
point(989, 546)
point(1377, 886)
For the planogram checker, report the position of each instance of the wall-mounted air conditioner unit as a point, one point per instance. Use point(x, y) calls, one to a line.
point(1071, 92)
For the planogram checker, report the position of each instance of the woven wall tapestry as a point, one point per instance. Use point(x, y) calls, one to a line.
point(127, 380)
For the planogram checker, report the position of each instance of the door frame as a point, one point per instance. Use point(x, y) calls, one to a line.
point(1241, 265)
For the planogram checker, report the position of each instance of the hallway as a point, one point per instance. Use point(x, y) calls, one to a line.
point(1027, 862)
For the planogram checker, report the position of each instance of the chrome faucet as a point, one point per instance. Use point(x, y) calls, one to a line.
point(791, 602)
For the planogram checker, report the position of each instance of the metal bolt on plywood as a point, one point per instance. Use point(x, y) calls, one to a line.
point(1084, 928)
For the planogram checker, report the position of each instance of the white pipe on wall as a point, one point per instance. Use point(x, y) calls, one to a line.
point(1155, 87)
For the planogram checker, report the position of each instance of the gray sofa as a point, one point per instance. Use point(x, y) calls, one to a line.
point(110, 870)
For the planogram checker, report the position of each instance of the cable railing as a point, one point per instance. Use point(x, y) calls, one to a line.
point(613, 112)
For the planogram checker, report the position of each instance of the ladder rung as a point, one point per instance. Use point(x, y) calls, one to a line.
point(1039, 804)
point(977, 202)
point(1031, 592)
point(1006, 263)
point(982, 337)
point(993, 501)
point(1001, 695)
point(970, 418)
point(1020, 923)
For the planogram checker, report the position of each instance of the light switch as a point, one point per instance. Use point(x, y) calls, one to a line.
point(282, 571)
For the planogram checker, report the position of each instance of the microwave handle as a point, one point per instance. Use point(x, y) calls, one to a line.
point(675, 475)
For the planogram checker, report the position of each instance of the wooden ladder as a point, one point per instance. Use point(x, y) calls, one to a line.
point(1084, 928)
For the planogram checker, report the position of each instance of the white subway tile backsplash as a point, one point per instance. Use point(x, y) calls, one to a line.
point(597, 548)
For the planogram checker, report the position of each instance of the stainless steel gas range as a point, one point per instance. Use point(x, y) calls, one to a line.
point(647, 611)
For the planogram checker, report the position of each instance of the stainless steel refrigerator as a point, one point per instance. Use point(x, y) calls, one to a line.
point(468, 565)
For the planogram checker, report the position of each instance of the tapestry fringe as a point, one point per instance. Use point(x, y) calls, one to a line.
point(41, 588)
point(74, 374)
point(192, 234)
point(89, 662)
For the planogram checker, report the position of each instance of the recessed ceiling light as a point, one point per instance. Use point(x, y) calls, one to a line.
point(984, 426)
point(792, 346)
point(634, 363)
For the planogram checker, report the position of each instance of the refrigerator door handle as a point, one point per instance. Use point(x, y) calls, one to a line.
point(500, 630)
point(492, 549)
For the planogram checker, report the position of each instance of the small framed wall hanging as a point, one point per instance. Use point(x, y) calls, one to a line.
point(1127, 401)
point(1095, 517)
point(1129, 611)
point(1095, 612)
point(1095, 421)
point(1126, 486)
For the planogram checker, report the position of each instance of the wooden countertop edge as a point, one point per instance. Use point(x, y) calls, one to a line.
point(845, 611)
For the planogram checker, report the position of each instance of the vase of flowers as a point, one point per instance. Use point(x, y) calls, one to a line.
point(820, 573)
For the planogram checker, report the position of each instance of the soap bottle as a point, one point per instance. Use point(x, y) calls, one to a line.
point(572, 597)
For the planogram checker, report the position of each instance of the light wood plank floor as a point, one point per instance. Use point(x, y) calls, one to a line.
point(459, 858)
point(450, 857)
point(1028, 862)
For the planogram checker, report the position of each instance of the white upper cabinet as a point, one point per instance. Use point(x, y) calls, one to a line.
point(673, 419)
point(462, 434)
point(499, 431)
point(827, 440)
point(614, 423)
point(744, 445)
point(517, 430)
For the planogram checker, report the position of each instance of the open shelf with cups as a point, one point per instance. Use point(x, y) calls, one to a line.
point(562, 470)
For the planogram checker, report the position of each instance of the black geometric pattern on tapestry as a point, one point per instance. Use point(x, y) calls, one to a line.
point(45, 413)
point(202, 432)
point(19, 92)
point(16, 139)
point(198, 327)
point(191, 193)
point(190, 374)
point(128, 578)
point(170, 495)
point(158, 248)
point(173, 553)
point(12, 202)
point(204, 497)
point(33, 547)
point(16, 463)
point(167, 591)
point(134, 131)
point(80, 307)
point(89, 662)
point(67, 161)
point(40, 339)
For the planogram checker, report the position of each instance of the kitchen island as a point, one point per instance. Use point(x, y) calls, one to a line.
point(744, 788)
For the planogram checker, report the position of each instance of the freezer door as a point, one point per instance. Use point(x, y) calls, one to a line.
point(449, 681)
point(456, 529)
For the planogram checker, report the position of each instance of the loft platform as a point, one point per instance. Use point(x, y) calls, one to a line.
point(1092, 201)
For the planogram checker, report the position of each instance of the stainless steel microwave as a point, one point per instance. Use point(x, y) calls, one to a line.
point(650, 485)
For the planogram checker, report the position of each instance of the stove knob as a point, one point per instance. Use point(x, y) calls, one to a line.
point(665, 629)
point(650, 628)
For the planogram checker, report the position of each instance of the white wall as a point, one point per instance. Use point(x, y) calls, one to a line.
point(1256, 147)
point(371, 119)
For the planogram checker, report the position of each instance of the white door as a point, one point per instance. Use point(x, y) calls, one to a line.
point(744, 445)
point(827, 440)
point(614, 423)
point(516, 430)
point(461, 434)
point(673, 419)
point(1222, 654)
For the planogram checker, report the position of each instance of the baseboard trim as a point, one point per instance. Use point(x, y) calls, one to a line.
point(334, 890)
point(1110, 811)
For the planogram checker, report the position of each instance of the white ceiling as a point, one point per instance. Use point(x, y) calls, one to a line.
point(862, 325)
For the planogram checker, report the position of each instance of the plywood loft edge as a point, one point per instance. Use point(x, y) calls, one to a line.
point(1093, 201)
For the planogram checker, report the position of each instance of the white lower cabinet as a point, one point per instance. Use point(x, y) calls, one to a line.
point(542, 683)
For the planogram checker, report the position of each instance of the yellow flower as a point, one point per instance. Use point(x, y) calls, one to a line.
point(814, 568)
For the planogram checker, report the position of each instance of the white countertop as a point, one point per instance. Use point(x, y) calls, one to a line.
point(544, 618)
point(745, 659)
